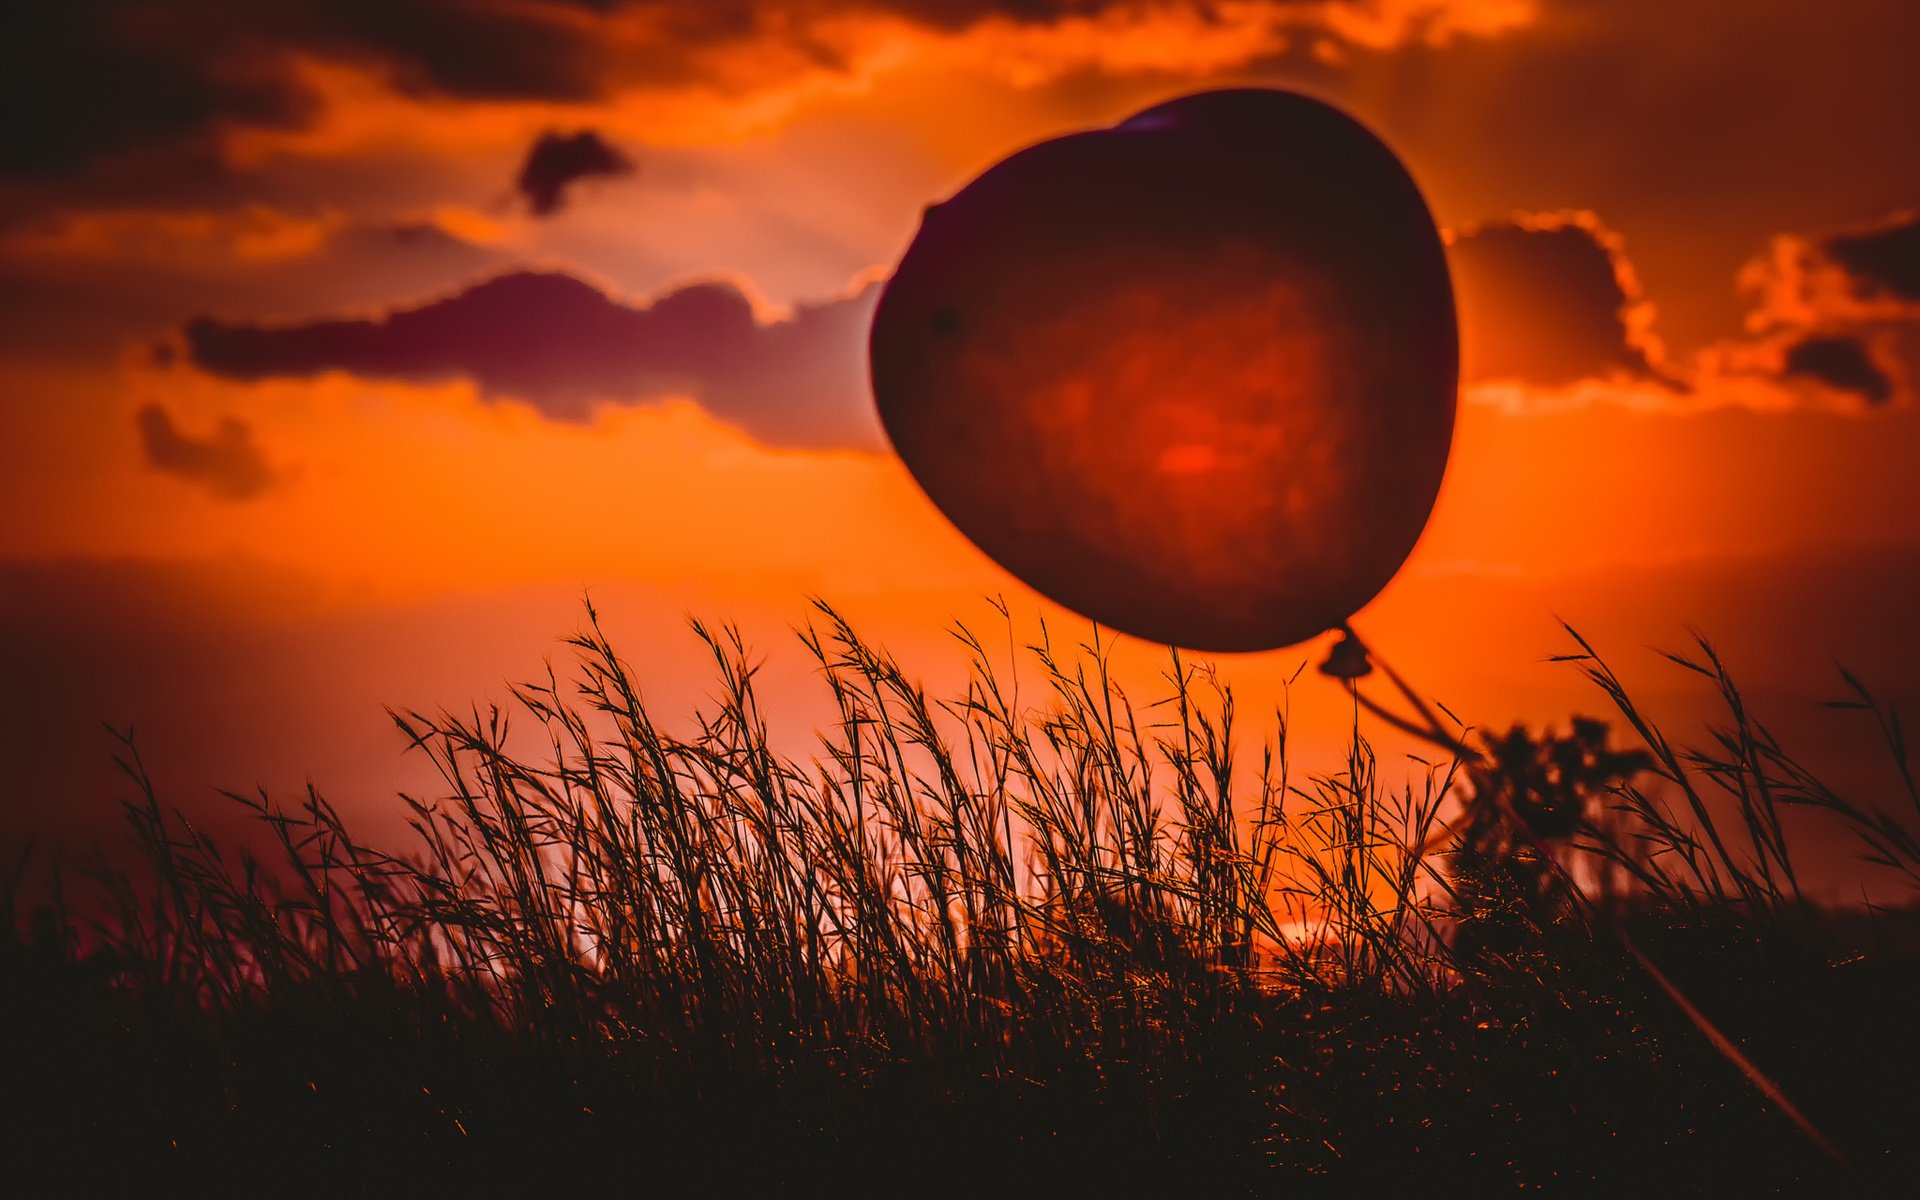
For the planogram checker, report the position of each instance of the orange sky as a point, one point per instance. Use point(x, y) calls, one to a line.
point(1683, 238)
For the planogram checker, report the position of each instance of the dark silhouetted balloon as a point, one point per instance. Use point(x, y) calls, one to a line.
point(1192, 376)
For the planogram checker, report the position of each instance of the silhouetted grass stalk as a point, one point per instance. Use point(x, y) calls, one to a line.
point(1015, 886)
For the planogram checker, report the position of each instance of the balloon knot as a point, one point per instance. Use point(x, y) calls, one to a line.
point(1347, 658)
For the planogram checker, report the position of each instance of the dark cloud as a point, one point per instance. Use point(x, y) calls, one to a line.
point(557, 160)
point(84, 80)
point(227, 462)
point(1840, 310)
point(87, 80)
point(1842, 363)
point(1884, 261)
point(1548, 302)
point(90, 79)
point(543, 49)
point(562, 345)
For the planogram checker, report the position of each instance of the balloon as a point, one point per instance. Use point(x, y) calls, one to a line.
point(1192, 376)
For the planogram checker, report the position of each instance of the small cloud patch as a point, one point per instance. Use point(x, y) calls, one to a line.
point(1841, 363)
point(1882, 261)
point(227, 462)
point(559, 160)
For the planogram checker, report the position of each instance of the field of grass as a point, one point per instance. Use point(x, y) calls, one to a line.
point(1063, 943)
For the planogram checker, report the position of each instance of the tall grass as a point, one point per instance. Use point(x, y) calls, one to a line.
point(1067, 938)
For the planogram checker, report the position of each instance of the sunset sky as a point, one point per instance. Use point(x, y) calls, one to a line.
point(345, 346)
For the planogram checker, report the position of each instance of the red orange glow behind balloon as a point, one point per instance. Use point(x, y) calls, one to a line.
point(1193, 376)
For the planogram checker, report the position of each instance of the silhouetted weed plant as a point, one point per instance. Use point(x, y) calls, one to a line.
point(974, 942)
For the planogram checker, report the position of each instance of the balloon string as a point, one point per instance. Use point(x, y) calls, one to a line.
point(1351, 660)
point(1423, 732)
point(1432, 731)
